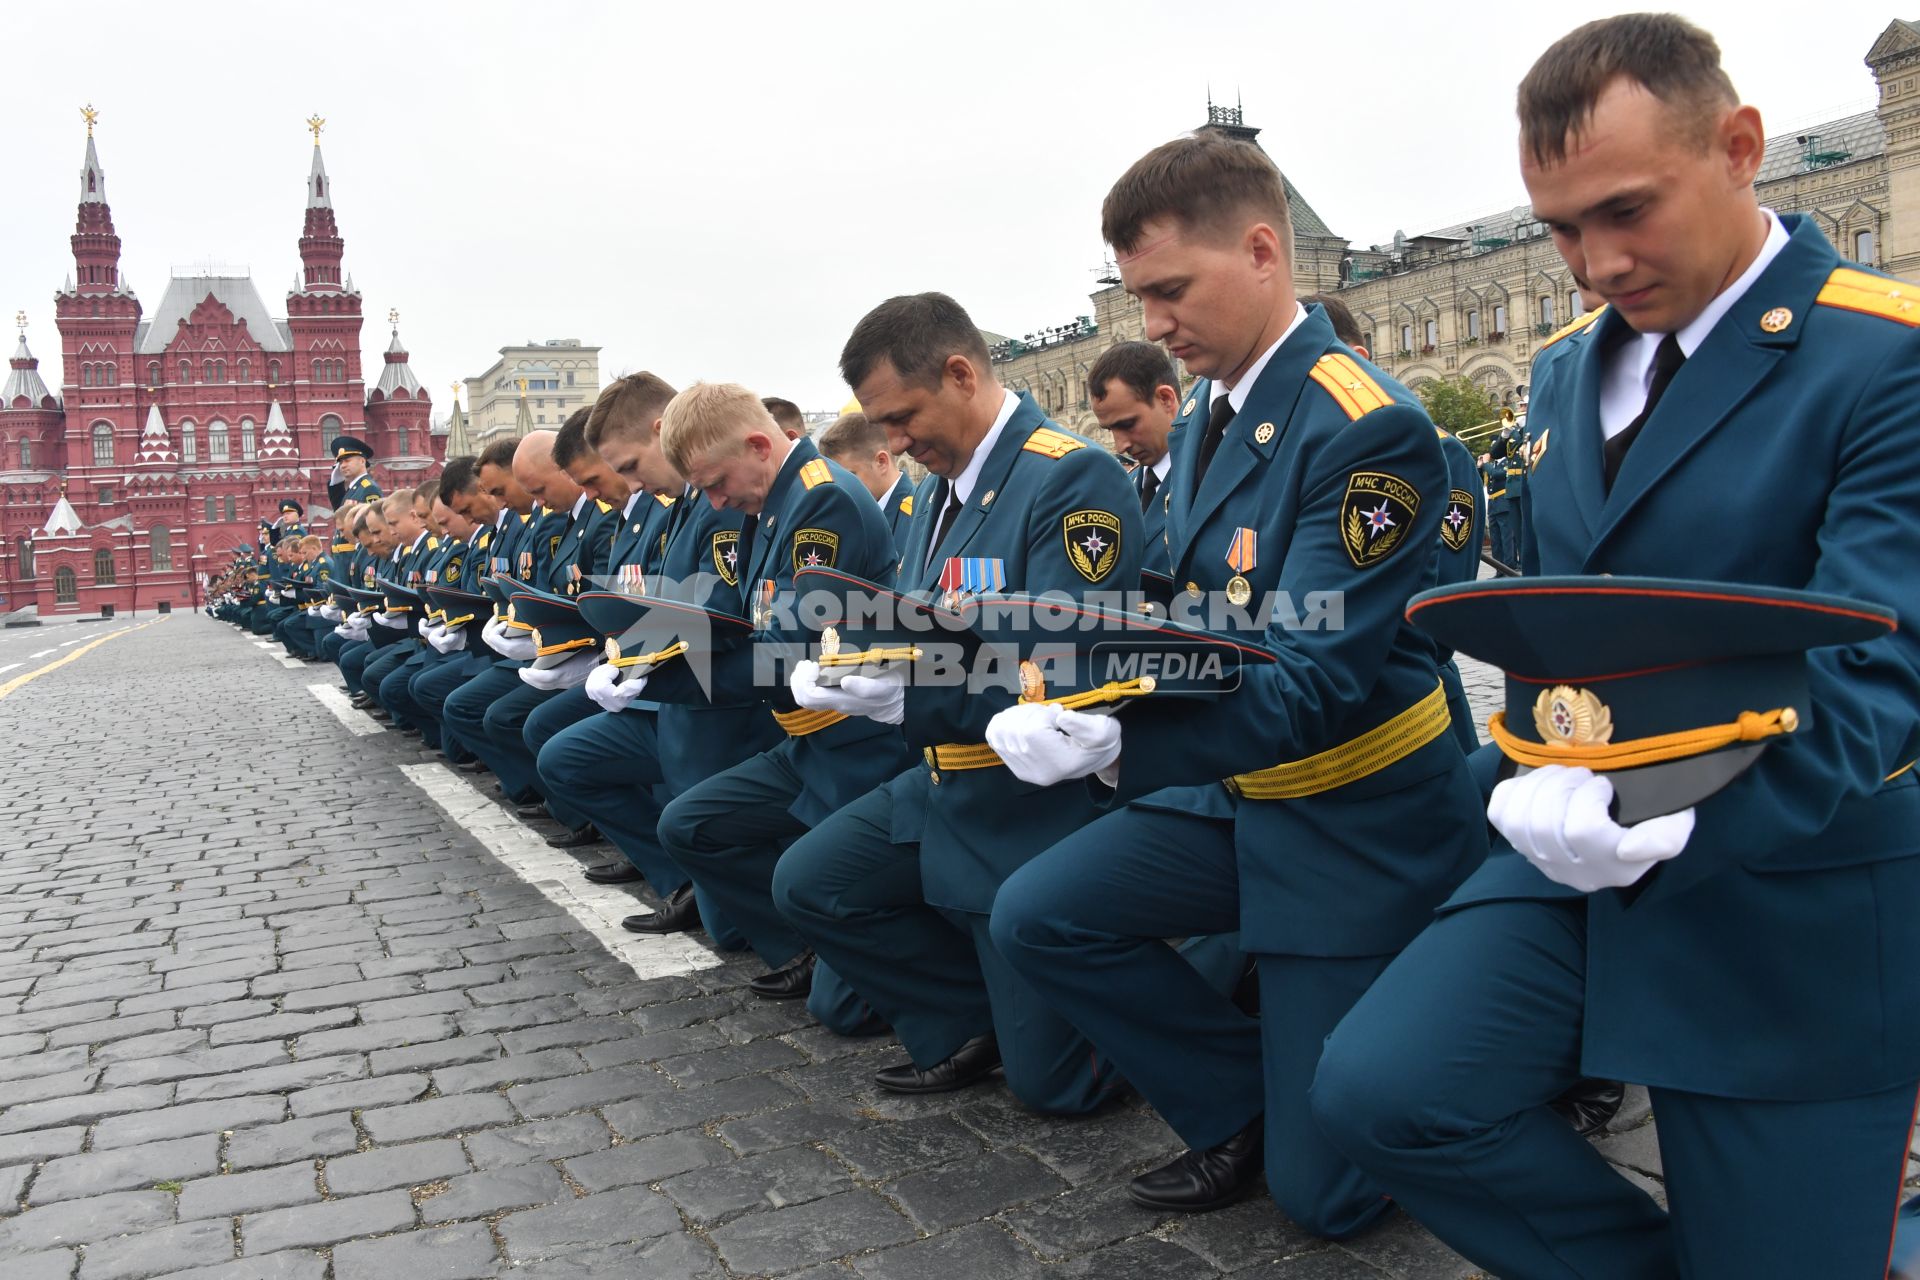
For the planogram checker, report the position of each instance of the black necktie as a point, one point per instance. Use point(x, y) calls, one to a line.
point(1149, 485)
point(947, 516)
point(1666, 362)
point(1217, 419)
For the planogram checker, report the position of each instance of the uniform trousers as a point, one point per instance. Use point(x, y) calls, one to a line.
point(1083, 925)
point(854, 893)
point(463, 717)
point(1438, 1084)
point(427, 690)
point(380, 666)
point(505, 723)
point(353, 659)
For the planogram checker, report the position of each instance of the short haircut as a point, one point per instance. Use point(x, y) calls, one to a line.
point(500, 454)
point(786, 414)
point(570, 443)
point(1345, 327)
point(427, 491)
point(394, 501)
point(628, 404)
point(1208, 184)
point(1138, 366)
point(360, 521)
point(706, 416)
point(1663, 53)
point(917, 334)
point(460, 475)
point(853, 435)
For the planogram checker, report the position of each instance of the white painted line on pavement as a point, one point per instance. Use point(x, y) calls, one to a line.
point(358, 722)
point(597, 908)
point(43, 653)
point(10, 666)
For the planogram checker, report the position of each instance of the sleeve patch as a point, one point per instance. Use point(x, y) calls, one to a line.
point(1051, 443)
point(1456, 527)
point(815, 473)
point(1093, 543)
point(726, 555)
point(1351, 387)
point(1375, 515)
point(815, 549)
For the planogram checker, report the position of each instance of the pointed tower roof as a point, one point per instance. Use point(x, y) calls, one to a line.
point(523, 421)
point(93, 179)
point(63, 520)
point(398, 374)
point(321, 247)
point(23, 379)
point(319, 191)
point(156, 446)
point(276, 441)
point(457, 442)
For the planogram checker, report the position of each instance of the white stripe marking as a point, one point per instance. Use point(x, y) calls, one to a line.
point(10, 666)
point(43, 653)
point(597, 908)
point(358, 723)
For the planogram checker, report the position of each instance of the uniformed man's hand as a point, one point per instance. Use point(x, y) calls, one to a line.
point(882, 697)
point(609, 691)
point(572, 672)
point(515, 646)
point(1557, 817)
point(1044, 744)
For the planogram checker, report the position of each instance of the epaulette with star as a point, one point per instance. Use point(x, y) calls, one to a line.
point(1581, 325)
point(1351, 386)
point(1873, 295)
point(1051, 443)
point(815, 473)
point(906, 505)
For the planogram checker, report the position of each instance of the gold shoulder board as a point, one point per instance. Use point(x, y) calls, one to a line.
point(1881, 296)
point(1351, 387)
point(1581, 325)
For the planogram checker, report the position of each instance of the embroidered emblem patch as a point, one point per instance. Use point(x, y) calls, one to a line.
point(726, 556)
point(1375, 516)
point(815, 549)
point(1093, 543)
point(553, 546)
point(1456, 527)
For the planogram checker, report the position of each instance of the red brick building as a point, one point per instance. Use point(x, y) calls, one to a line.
point(171, 437)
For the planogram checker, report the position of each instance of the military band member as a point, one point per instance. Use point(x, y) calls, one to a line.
point(1296, 796)
point(1747, 957)
point(854, 442)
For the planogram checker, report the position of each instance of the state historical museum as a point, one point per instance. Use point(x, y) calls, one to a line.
point(171, 438)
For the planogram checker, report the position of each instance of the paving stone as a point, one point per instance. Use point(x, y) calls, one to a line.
point(476, 1194)
point(197, 1117)
point(437, 1117)
point(381, 1091)
point(41, 1144)
point(515, 1069)
point(233, 1194)
point(591, 1089)
point(88, 1107)
point(52, 1264)
point(314, 1225)
point(969, 1191)
point(1084, 1219)
point(388, 1035)
point(307, 1139)
point(436, 1053)
point(13, 1184)
point(511, 1017)
point(647, 1160)
point(127, 1168)
point(786, 1239)
point(408, 1165)
point(1142, 1259)
point(979, 1250)
point(427, 1004)
point(681, 1108)
point(463, 1252)
point(212, 993)
point(200, 1062)
point(1404, 1250)
point(677, 1013)
point(160, 1043)
point(792, 1175)
point(676, 1256)
point(555, 1139)
point(291, 1265)
point(1106, 1145)
point(155, 1253)
point(85, 1221)
point(715, 1065)
point(305, 1074)
point(1637, 1149)
point(211, 1015)
point(1241, 1235)
point(612, 1217)
point(109, 1029)
point(653, 1047)
point(887, 1151)
point(348, 993)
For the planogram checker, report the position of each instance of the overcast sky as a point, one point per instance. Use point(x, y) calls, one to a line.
point(721, 190)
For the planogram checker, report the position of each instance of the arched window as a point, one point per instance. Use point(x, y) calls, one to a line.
point(1406, 338)
point(113, 374)
point(1546, 309)
point(330, 427)
point(26, 557)
point(161, 542)
point(103, 567)
point(1863, 247)
point(1473, 324)
point(216, 441)
point(153, 373)
point(65, 586)
point(186, 373)
point(245, 368)
point(86, 375)
point(189, 442)
point(102, 444)
point(273, 371)
point(246, 439)
point(401, 440)
point(206, 371)
point(26, 453)
point(213, 512)
point(1433, 333)
point(1575, 307)
point(1499, 322)
point(231, 515)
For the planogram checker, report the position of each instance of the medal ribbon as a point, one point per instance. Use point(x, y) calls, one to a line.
point(1244, 552)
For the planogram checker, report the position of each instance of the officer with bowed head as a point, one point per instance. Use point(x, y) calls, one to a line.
point(1746, 410)
point(857, 443)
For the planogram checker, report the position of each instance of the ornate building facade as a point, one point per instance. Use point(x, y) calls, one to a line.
point(531, 387)
point(170, 437)
point(1477, 299)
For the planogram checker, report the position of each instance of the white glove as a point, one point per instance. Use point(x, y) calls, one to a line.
point(273, 597)
point(1557, 817)
point(331, 612)
point(882, 697)
point(1044, 744)
point(445, 641)
point(388, 618)
point(517, 646)
point(610, 689)
point(354, 629)
point(572, 672)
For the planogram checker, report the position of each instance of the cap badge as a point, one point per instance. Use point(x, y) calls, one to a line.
point(1569, 717)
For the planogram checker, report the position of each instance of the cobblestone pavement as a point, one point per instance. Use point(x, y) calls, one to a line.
point(238, 1045)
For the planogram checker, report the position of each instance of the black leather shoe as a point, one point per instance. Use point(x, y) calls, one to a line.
point(532, 809)
point(621, 872)
point(794, 982)
point(1203, 1180)
point(971, 1063)
point(360, 701)
point(680, 914)
point(577, 838)
point(1590, 1104)
point(409, 731)
point(381, 714)
point(472, 766)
